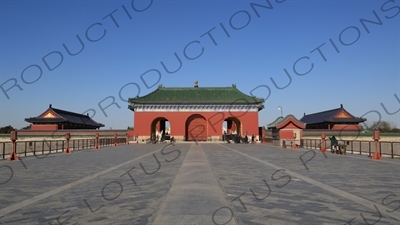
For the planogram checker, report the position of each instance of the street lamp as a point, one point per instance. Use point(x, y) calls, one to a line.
point(280, 109)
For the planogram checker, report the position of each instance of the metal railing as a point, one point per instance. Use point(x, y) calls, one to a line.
point(387, 148)
point(44, 147)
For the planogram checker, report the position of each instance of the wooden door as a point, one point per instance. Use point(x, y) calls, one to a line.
point(196, 128)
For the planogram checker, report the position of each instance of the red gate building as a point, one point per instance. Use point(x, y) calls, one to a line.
point(195, 113)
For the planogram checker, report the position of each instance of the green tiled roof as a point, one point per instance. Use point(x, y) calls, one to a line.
point(196, 95)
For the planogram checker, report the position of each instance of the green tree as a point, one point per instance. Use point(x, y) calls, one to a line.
point(6, 129)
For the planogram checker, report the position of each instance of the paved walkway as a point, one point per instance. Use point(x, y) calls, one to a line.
point(199, 184)
point(194, 194)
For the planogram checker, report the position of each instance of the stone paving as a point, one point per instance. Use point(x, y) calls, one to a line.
point(199, 184)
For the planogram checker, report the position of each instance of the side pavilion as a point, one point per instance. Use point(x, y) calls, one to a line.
point(57, 119)
point(334, 119)
point(196, 113)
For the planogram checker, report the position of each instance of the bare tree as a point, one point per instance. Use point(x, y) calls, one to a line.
point(383, 126)
point(370, 125)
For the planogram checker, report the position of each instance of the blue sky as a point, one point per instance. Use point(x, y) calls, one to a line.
point(362, 72)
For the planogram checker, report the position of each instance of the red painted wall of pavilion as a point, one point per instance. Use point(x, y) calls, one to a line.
point(177, 121)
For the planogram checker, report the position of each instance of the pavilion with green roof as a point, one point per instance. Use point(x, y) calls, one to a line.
point(195, 113)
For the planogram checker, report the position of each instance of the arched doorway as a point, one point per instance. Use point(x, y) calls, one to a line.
point(233, 129)
point(233, 126)
point(196, 128)
point(161, 127)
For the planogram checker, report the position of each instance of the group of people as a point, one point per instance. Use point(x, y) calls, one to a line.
point(238, 139)
point(160, 138)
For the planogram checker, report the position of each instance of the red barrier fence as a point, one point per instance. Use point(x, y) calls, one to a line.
point(26, 148)
point(387, 148)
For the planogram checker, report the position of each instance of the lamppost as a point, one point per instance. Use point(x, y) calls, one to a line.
point(280, 109)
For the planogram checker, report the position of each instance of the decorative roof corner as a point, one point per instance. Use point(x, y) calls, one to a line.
point(261, 106)
point(160, 86)
point(234, 86)
point(132, 106)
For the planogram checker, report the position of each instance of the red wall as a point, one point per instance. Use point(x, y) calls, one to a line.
point(286, 134)
point(131, 133)
point(72, 132)
point(177, 121)
point(44, 127)
point(346, 127)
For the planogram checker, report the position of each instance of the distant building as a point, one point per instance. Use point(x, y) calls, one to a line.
point(57, 119)
point(195, 113)
point(334, 119)
point(287, 128)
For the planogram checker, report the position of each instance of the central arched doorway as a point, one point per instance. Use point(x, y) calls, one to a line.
point(196, 128)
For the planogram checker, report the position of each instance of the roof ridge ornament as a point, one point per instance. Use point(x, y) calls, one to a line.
point(196, 83)
point(234, 85)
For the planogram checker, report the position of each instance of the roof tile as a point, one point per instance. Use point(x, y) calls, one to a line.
point(328, 116)
point(196, 95)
